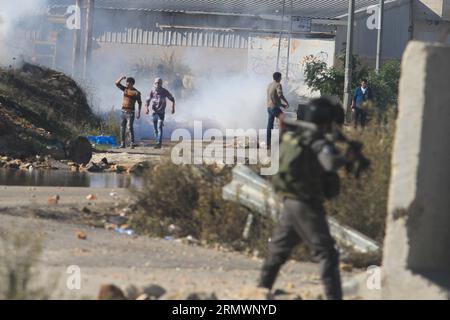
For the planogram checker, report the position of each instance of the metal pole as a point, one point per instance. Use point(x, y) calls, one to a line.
point(89, 35)
point(348, 58)
point(380, 37)
point(281, 33)
point(289, 44)
point(76, 53)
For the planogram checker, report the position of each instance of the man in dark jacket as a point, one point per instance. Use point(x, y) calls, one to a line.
point(362, 95)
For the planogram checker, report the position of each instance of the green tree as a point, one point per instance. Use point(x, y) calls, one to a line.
point(330, 80)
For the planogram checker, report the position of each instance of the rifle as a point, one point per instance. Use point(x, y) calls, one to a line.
point(361, 162)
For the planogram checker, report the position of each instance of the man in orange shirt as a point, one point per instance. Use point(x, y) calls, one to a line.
point(130, 96)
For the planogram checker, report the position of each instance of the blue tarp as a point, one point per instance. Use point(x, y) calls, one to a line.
point(103, 140)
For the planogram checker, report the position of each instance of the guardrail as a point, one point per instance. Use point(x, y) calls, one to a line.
point(254, 192)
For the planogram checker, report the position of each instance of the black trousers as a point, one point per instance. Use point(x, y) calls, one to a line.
point(359, 117)
point(301, 221)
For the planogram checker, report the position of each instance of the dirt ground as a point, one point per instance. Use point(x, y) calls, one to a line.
point(108, 257)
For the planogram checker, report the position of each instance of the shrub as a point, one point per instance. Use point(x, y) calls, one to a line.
point(330, 81)
point(190, 197)
point(363, 202)
point(166, 67)
point(19, 255)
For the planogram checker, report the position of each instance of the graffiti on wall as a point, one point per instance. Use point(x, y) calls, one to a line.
point(263, 52)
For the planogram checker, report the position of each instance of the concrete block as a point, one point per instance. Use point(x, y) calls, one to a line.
point(416, 258)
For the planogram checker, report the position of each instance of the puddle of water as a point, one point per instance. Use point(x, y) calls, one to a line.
point(64, 178)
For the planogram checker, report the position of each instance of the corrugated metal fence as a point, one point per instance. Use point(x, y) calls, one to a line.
point(188, 38)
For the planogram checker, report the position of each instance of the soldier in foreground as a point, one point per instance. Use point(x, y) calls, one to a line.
point(307, 176)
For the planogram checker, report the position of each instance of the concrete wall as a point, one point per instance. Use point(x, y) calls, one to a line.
point(432, 20)
point(263, 51)
point(432, 31)
point(200, 60)
point(395, 38)
point(433, 9)
point(416, 262)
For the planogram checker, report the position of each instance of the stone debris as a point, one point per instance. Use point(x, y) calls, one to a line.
point(91, 197)
point(81, 235)
point(346, 267)
point(187, 295)
point(153, 292)
point(53, 200)
point(110, 292)
point(253, 293)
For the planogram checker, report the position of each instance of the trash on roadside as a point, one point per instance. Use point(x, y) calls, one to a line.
point(128, 232)
point(169, 238)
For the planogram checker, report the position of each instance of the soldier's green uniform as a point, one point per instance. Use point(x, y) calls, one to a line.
point(308, 162)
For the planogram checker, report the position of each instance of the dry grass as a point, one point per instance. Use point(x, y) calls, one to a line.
point(363, 202)
point(19, 255)
point(190, 197)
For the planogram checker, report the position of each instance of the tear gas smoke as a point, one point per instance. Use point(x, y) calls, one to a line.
point(11, 13)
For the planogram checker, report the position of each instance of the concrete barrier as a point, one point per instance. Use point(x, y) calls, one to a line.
point(416, 257)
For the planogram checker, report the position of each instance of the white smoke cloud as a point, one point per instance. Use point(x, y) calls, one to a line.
point(11, 13)
point(234, 101)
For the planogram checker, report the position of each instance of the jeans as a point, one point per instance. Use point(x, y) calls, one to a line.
point(127, 123)
point(158, 124)
point(273, 113)
point(359, 116)
point(304, 221)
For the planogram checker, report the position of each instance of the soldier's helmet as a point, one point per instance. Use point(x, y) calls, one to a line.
point(324, 110)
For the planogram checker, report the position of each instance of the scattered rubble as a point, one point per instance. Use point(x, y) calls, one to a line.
point(91, 197)
point(53, 200)
point(156, 292)
point(110, 292)
point(81, 235)
point(153, 292)
point(186, 295)
point(27, 164)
